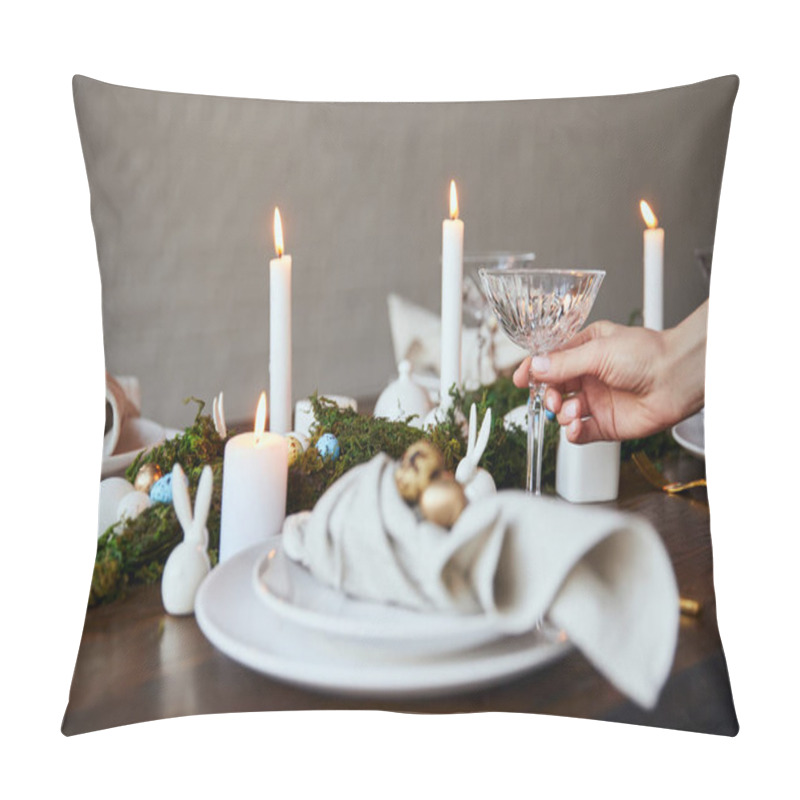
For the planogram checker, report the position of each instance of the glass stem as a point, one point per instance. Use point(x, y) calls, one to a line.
point(536, 416)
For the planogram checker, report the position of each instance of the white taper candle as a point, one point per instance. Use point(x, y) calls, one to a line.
point(653, 300)
point(280, 336)
point(452, 287)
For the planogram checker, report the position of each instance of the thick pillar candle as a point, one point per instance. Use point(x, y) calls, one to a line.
point(280, 336)
point(254, 478)
point(653, 301)
point(452, 281)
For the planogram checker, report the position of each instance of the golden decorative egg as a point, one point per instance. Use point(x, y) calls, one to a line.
point(147, 475)
point(443, 501)
point(421, 462)
point(295, 448)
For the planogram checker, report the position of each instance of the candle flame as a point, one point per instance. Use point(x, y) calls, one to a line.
point(453, 201)
point(651, 220)
point(261, 415)
point(278, 231)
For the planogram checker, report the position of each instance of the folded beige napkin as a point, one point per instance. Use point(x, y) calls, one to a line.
point(416, 336)
point(601, 575)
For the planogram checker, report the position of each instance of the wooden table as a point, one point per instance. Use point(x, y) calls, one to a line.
point(136, 663)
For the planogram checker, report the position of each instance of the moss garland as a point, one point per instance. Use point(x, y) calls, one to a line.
point(135, 551)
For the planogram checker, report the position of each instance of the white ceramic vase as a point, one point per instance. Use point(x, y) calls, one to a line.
point(404, 397)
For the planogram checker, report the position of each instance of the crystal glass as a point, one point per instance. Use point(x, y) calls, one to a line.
point(540, 310)
point(476, 310)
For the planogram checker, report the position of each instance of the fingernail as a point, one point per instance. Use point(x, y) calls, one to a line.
point(540, 364)
point(570, 409)
point(549, 404)
point(572, 430)
point(549, 414)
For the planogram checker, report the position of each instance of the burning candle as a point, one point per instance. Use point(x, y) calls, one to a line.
point(452, 280)
point(254, 477)
point(280, 335)
point(653, 307)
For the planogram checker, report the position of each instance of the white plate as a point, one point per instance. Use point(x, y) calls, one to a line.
point(238, 623)
point(291, 592)
point(137, 434)
point(690, 434)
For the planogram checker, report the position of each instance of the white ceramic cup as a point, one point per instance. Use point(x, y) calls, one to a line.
point(587, 473)
point(304, 412)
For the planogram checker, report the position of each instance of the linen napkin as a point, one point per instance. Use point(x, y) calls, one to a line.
point(601, 575)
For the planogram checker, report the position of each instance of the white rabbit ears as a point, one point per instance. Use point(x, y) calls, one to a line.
point(477, 442)
point(473, 426)
point(180, 498)
point(218, 414)
point(202, 502)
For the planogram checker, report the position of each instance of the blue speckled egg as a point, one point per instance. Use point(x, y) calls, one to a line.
point(328, 447)
point(161, 490)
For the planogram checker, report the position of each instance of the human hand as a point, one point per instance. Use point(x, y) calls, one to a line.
point(616, 382)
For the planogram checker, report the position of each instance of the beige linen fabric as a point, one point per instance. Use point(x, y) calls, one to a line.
point(601, 575)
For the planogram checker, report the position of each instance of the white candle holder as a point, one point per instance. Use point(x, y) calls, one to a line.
point(587, 473)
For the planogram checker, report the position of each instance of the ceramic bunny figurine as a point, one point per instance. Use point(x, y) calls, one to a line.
point(218, 414)
point(188, 563)
point(477, 482)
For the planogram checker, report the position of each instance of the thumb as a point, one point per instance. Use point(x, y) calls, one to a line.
point(565, 365)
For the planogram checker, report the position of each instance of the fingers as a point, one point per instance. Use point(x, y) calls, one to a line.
point(522, 373)
point(580, 353)
point(584, 430)
point(552, 399)
point(568, 365)
point(553, 395)
point(572, 408)
point(583, 355)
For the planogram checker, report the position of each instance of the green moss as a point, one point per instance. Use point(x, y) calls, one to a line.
point(361, 438)
point(138, 551)
point(197, 446)
point(135, 552)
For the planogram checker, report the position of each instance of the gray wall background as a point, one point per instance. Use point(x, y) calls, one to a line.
point(183, 189)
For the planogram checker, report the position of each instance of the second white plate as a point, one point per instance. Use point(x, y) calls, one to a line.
point(235, 621)
point(290, 591)
point(690, 434)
